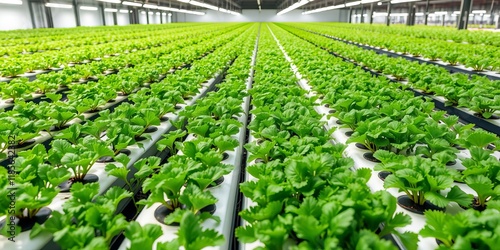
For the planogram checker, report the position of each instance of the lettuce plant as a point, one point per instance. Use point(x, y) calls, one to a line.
point(36, 184)
point(17, 88)
point(168, 182)
point(169, 139)
point(465, 230)
point(424, 180)
point(191, 235)
point(88, 221)
point(481, 174)
point(78, 158)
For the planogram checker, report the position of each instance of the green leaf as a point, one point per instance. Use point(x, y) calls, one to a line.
point(459, 196)
point(193, 237)
point(309, 228)
point(259, 213)
point(193, 197)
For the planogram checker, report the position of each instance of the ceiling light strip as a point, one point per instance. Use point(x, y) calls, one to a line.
point(294, 6)
point(14, 2)
point(323, 9)
point(132, 3)
point(59, 5)
point(209, 6)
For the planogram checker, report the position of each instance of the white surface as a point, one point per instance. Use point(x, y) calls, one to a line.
point(264, 16)
point(63, 18)
point(90, 18)
point(122, 18)
point(14, 16)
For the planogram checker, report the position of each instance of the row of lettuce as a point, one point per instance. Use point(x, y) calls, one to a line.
point(68, 101)
point(42, 40)
point(305, 196)
point(54, 82)
point(412, 143)
point(478, 94)
point(16, 64)
point(476, 56)
point(79, 224)
point(185, 185)
point(431, 32)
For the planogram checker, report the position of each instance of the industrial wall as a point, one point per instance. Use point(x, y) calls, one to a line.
point(265, 16)
point(17, 17)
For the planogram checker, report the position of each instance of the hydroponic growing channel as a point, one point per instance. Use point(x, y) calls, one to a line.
point(247, 136)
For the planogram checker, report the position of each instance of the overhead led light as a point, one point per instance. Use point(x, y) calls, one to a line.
point(204, 5)
point(124, 11)
point(132, 3)
point(14, 2)
point(294, 6)
point(369, 1)
point(110, 1)
point(169, 14)
point(190, 12)
point(184, 1)
point(150, 6)
point(403, 1)
point(88, 8)
point(158, 13)
point(181, 11)
point(164, 14)
point(399, 14)
point(59, 5)
point(379, 3)
point(229, 12)
point(419, 14)
point(441, 13)
point(352, 4)
point(143, 12)
point(150, 13)
point(323, 9)
point(110, 10)
point(479, 12)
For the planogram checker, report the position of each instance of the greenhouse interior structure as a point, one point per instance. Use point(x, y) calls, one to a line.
point(249, 124)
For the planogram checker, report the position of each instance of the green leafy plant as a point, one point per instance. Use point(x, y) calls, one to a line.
point(191, 236)
point(89, 220)
point(424, 180)
point(468, 229)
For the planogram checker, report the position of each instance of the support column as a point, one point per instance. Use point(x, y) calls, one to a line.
point(115, 19)
point(130, 16)
point(32, 16)
point(147, 16)
point(388, 19)
point(413, 15)
point(349, 14)
point(101, 8)
point(362, 14)
point(498, 22)
point(464, 14)
point(426, 13)
point(408, 17)
point(77, 13)
point(136, 15)
point(371, 14)
point(48, 14)
point(492, 16)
